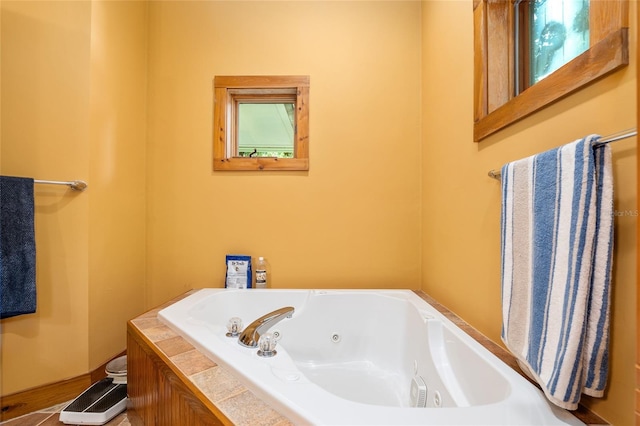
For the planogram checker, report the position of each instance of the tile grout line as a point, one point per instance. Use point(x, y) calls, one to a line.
point(44, 420)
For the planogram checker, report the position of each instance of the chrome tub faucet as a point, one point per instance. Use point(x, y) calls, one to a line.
point(250, 336)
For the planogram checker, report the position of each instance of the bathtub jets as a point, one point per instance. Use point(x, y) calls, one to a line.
point(358, 357)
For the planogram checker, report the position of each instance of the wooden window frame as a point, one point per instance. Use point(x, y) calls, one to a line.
point(229, 91)
point(495, 105)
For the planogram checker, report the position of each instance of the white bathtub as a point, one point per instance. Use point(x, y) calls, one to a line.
point(347, 357)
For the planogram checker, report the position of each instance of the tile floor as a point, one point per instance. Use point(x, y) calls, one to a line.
point(49, 417)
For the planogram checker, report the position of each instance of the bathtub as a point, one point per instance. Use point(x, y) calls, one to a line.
point(362, 357)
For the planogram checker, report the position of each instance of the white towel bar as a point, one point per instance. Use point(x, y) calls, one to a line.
point(78, 185)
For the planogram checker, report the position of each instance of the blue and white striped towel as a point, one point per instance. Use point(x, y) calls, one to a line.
point(557, 242)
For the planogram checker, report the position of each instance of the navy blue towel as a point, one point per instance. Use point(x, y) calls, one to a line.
point(17, 247)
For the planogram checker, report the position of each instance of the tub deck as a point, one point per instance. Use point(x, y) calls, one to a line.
point(171, 381)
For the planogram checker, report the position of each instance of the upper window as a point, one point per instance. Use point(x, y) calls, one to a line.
point(549, 34)
point(530, 53)
point(261, 123)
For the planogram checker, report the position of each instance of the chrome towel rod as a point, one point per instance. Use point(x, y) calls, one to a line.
point(495, 174)
point(77, 185)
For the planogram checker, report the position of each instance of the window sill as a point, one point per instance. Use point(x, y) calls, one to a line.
point(606, 56)
point(261, 163)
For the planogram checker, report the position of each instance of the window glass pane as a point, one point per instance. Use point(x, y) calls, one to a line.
point(266, 129)
point(559, 33)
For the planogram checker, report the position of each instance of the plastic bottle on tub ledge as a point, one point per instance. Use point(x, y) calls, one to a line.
point(262, 269)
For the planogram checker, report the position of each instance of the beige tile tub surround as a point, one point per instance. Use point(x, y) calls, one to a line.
point(232, 398)
point(237, 403)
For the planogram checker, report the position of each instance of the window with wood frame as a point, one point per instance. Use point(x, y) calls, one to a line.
point(504, 63)
point(261, 123)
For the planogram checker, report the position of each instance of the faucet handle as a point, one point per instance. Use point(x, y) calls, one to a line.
point(234, 326)
point(267, 344)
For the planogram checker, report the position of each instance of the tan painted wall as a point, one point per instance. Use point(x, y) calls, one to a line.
point(73, 108)
point(44, 132)
point(353, 219)
point(195, 217)
point(117, 173)
point(461, 205)
point(397, 194)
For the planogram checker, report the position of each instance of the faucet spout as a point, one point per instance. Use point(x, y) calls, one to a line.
point(250, 336)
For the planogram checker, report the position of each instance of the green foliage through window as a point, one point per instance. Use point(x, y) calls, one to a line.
point(559, 33)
